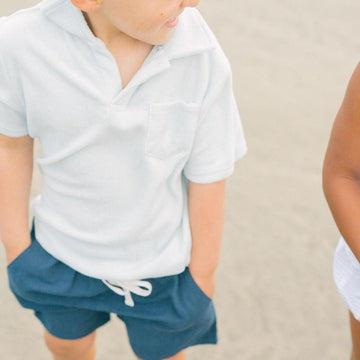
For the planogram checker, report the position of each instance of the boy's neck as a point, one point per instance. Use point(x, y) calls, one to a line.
point(111, 36)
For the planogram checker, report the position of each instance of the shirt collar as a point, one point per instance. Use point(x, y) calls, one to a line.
point(189, 37)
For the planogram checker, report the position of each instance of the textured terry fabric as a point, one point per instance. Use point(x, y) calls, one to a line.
point(116, 162)
point(346, 272)
point(176, 315)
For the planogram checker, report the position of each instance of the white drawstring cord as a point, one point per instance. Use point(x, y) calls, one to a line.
point(125, 287)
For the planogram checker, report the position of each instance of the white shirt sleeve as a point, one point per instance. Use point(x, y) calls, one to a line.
point(12, 114)
point(219, 140)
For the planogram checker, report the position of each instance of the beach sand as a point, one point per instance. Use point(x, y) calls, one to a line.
point(275, 296)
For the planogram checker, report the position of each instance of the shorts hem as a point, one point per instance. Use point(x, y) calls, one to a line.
point(71, 337)
point(210, 337)
point(173, 353)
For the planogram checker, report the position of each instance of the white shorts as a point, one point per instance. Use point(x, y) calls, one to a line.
point(346, 272)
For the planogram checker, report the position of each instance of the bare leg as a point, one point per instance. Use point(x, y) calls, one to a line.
point(355, 335)
point(80, 349)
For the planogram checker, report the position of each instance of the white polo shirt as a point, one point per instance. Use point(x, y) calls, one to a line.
point(116, 161)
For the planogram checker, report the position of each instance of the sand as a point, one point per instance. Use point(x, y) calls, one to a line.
point(275, 296)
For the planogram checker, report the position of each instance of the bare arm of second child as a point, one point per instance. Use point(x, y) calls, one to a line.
point(16, 167)
point(206, 216)
point(341, 169)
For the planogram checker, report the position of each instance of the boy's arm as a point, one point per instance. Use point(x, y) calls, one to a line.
point(341, 168)
point(16, 167)
point(206, 215)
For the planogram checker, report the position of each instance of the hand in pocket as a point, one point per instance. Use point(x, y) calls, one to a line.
point(205, 283)
point(16, 250)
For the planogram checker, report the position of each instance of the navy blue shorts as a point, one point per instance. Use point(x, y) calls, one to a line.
point(177, 313)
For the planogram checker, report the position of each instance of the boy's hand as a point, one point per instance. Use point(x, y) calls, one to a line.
point(205, 283)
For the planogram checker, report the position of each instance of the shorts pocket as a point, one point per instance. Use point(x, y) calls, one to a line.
point(21, 257)
point(19, 268)
point(195, 286)
point(191, 307)
point(171, 128)
point(39, 277)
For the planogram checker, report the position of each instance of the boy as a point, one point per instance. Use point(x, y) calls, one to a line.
point(133, 105)
point(342, 191)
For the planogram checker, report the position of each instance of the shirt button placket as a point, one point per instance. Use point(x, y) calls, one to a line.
point(124, 97)
point(110, 72)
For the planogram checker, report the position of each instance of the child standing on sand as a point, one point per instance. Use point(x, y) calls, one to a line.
point(133, 105)
point(341, 186)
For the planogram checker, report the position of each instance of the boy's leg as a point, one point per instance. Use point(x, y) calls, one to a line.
point(178, 356)
point(355, 335)
point(79, 349)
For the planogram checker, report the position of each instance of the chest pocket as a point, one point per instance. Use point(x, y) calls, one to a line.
point(171, 128)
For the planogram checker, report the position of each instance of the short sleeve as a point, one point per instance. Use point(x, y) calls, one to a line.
point(12, 114)
point(219, 140)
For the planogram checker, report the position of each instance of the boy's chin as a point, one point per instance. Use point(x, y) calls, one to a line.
point(161, 39)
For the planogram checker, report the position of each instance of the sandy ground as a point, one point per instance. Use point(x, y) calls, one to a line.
point(275, 295)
